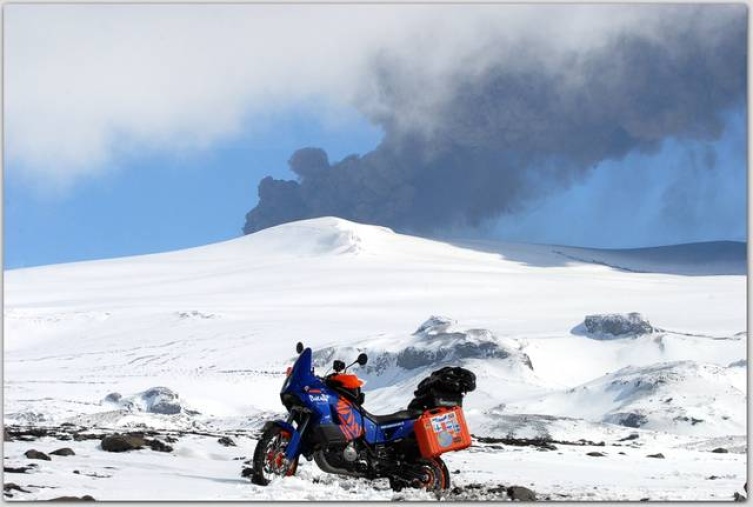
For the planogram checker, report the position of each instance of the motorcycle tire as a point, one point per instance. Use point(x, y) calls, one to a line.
point(269, 457)
point(437, 475)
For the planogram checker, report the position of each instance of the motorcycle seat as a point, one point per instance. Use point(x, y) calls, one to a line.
point(401, 415)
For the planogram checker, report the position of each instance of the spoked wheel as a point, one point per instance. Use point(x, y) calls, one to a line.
point(434, 476)
point(269, 457)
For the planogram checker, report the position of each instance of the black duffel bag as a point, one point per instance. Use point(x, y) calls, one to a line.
point(443, 388)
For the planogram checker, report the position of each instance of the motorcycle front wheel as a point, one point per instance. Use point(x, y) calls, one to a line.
point(269, 457)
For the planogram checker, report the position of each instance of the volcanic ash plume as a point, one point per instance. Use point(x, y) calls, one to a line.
point(520, 113)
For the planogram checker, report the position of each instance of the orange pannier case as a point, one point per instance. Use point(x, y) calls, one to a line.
point(441, 430)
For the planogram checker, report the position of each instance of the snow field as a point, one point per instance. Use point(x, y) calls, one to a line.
point(218, 325)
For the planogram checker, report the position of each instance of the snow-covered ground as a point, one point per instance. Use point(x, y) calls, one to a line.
point(218, 325)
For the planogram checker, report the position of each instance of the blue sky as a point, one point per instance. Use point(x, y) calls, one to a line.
point(133, 129)
point(161, 202)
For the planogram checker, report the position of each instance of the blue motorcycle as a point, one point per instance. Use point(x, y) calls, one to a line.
point(328, 424)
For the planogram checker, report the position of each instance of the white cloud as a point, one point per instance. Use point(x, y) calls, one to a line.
point(85, 83)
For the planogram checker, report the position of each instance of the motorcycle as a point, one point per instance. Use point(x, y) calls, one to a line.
point(327, 423)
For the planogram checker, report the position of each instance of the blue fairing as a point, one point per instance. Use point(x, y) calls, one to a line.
point(302, 375)
point(328, 407)
point(388, 432)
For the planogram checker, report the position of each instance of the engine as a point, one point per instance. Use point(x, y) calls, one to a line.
point(350, 459)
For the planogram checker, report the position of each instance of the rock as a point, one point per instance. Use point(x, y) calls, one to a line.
point(438, 342)
point(720, 450)
point(622, 453)
point(121, 443)
point(632, 436)
point(617, 324)
point(521, 493)
point(497, 490)
point(171, 439)
point(658, 455)
point(78, 437)
point(451, 346)
point(627, 419)
point(114, 397)
point(161, 400)
point(156, 445)
point(19, 470)
point(35, 432)
point(247, 472)
point(10, 486)
point(85, 498)
point(738, 497)
point(712, 478)
point(34, 454)
point(226, 441)
point(596, 454)
point(644, 499)
point(435, 324)
point(65, 451)
point(6, 435)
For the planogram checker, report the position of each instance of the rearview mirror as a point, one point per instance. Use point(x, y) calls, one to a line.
point(362, 359)
point(299, 347)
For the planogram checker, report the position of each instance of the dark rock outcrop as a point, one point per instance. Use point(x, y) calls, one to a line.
point(617, 325)
point(65, 451)
point(627, 419)
point(521, 493)
point(78, 437)
point(11, 486)
point(159, 446)
point(122, 443)
point(34, 454)
point(596, 454)
point(720, 450)
point(226, 441)
point(113, 397)
point(26, 433)
point(161, 400)
point(19, 470)
point(436, 344)
point(658, 455)
point(85, 498)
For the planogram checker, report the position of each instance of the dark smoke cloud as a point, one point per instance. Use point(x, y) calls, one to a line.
point(483, 143)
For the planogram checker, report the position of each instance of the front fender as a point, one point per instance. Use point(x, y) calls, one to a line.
point(280, 424)
point(294, 445)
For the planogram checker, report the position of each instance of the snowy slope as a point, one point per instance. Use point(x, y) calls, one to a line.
point(218, 325)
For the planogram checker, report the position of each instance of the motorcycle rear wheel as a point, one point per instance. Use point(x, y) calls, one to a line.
point(269, 457)
point(437, 477)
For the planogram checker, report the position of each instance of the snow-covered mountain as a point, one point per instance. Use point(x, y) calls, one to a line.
point(217, 325)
